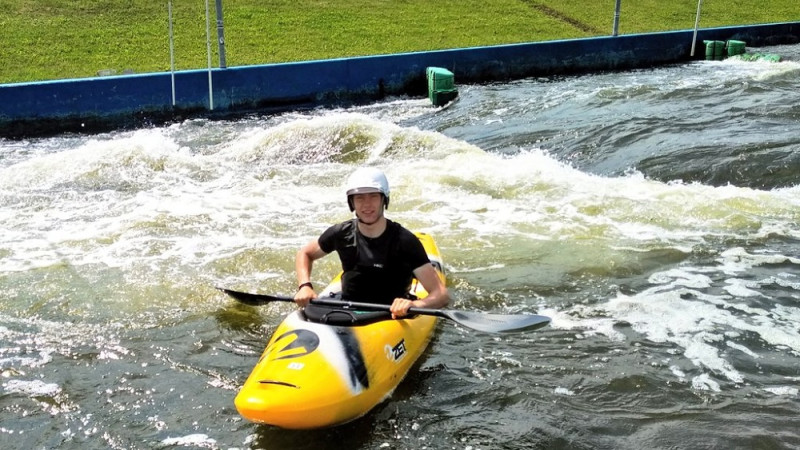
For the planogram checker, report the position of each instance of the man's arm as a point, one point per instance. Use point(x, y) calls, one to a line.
point(303, 262)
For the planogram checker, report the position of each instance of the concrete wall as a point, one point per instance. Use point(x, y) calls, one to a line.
point(103, 103)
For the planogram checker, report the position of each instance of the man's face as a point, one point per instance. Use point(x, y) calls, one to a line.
point(368, 207)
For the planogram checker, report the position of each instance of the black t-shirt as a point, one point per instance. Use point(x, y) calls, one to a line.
point(375, 270)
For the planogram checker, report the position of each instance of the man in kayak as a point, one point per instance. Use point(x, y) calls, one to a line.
point(379, 257)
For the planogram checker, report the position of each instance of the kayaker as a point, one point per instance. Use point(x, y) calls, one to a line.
point(379, 257)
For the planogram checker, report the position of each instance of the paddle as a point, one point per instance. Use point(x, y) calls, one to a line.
point(490, 323)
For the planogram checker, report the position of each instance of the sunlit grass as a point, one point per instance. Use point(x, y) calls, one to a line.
point(51, 39)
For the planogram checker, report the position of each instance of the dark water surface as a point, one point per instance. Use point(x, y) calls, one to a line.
point(653, 214)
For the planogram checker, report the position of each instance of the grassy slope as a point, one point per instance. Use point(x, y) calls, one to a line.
point(50, 39)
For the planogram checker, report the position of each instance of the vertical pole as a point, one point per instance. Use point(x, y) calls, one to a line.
point(696, 24)
point(615, 31)
point(221, 35)
point(171, 51)
point(208, 53)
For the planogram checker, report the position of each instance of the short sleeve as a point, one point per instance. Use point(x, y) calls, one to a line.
point(338, 237)
point(414, 252)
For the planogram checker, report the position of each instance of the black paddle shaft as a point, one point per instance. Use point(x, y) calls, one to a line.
point(490, 323)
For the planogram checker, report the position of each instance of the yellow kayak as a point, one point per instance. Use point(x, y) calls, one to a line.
point(325, 367)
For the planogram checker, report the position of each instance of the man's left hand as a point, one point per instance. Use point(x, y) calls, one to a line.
point(400, 307)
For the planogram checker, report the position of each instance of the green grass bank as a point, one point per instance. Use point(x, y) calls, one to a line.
point(56, 39)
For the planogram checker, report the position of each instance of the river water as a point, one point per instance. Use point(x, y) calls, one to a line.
point(653, 214)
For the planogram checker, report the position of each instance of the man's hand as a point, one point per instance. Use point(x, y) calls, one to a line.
point(400, 307)
point(304, 295)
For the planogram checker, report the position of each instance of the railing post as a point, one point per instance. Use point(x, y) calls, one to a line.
point(171, 52)
point(208, 53)
point(615, 30)
point(221, 35)
point(696, 24)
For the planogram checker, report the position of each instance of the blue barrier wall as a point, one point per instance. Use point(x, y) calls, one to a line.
point(95, 104)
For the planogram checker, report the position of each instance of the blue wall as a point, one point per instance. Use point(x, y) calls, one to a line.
point(94, 104)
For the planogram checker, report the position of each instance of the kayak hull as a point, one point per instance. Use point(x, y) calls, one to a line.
point(314, 375)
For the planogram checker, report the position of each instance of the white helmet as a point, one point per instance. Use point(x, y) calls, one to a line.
point(364, 181)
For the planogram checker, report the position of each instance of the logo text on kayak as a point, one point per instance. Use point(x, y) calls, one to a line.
point(397, 352)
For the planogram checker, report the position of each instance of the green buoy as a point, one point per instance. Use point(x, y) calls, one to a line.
point(441, 86)
point(735, 47)
point(715, 50)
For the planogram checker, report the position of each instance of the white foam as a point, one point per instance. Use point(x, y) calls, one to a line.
point(704, 382)
point(742, 288)
point(677, 310)
point(191, 440)
point(563, 391)
point(742, 349)
point(737, 260)
point(32, 388)
point(144, 197)
point(678, 373)
point(789, 391)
